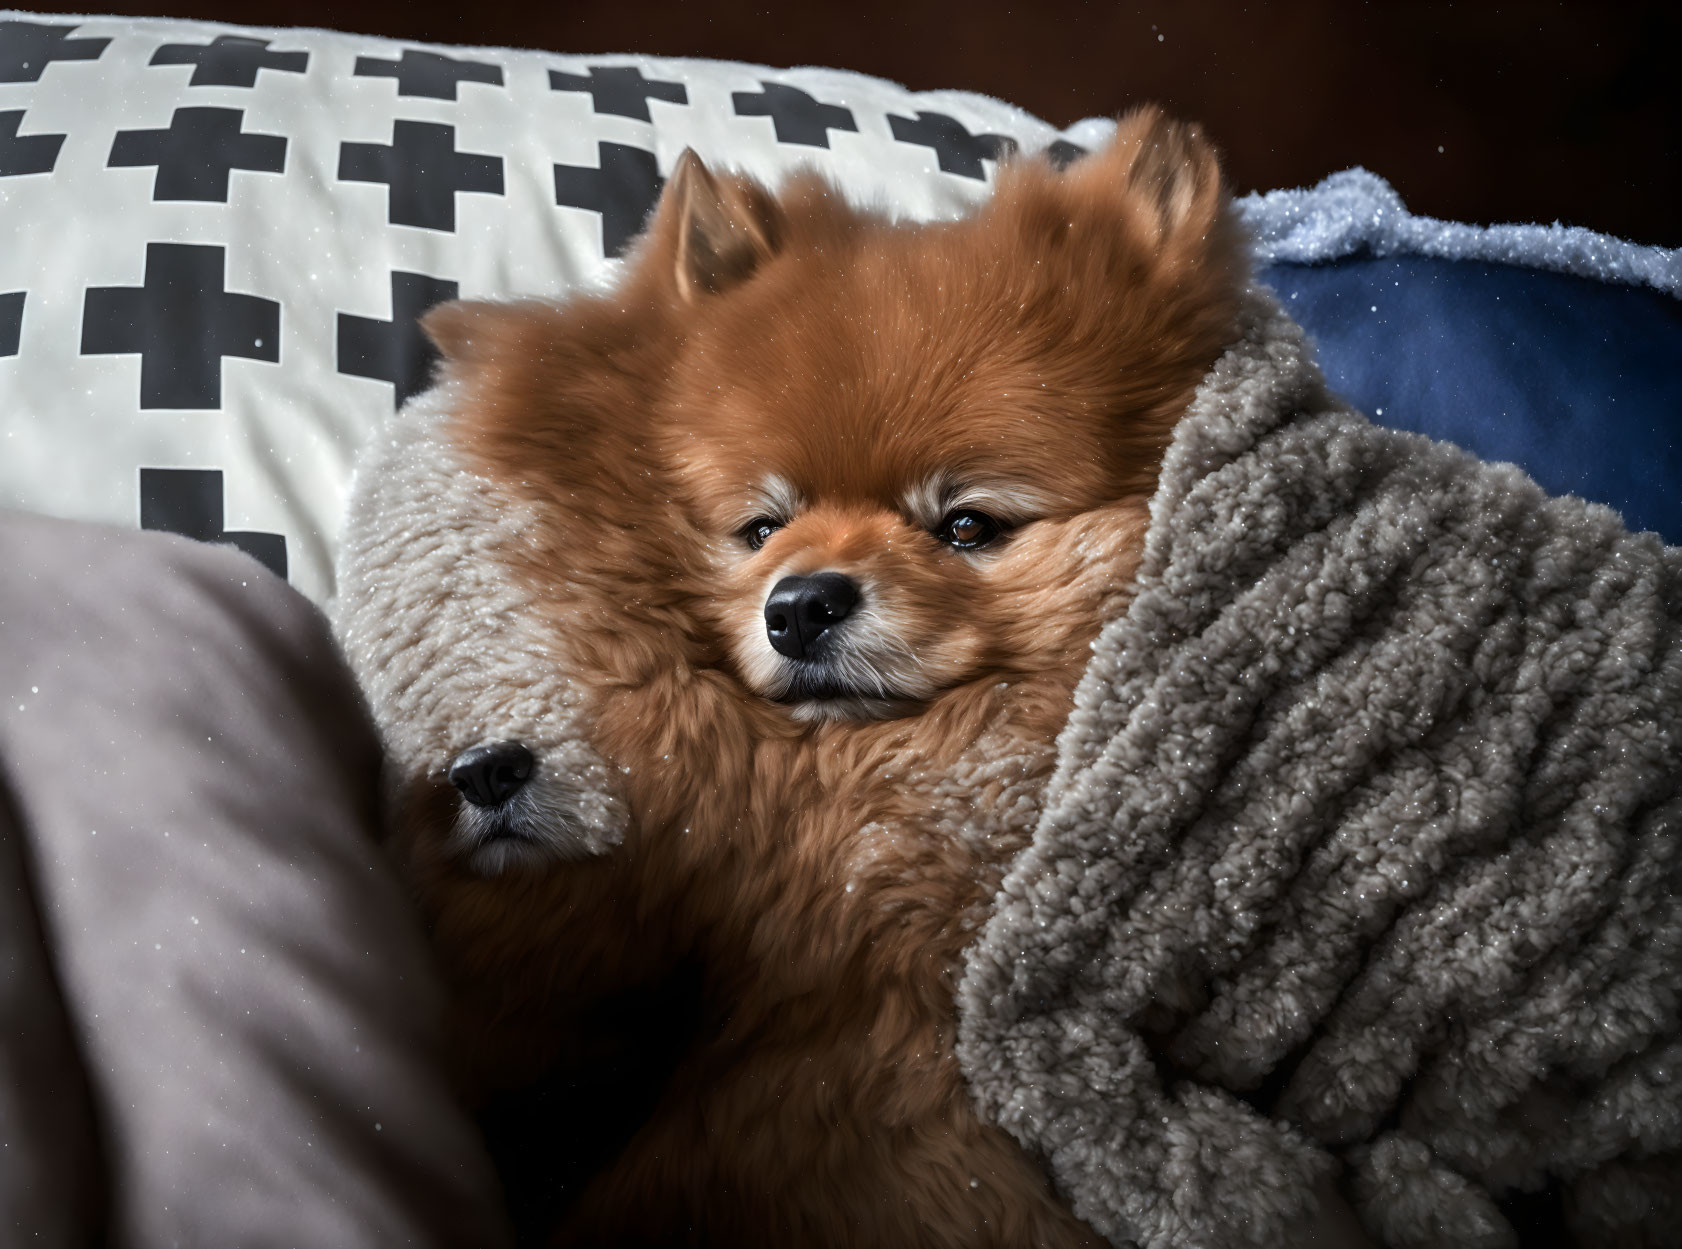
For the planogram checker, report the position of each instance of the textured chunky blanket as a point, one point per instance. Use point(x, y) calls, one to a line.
point(1362, 850)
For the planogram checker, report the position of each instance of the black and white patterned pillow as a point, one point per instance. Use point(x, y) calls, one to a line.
point(216, 241)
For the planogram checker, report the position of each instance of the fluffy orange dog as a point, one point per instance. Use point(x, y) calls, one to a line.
point(832, 510)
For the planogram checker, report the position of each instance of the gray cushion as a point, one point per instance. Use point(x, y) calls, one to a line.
point(208, 978)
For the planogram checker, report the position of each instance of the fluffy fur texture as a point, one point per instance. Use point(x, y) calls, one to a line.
point(823, 856)
point(1368, 809)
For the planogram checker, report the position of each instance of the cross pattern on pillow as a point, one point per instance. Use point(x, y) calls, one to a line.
point(619, 89)
point(621, 190)
point(188, 501)
point(957, 150)
point(28, 48)
point(795, 116)
point(181, 322)
point(429, 74)
point(395, 350)
point(25, 154)
point(226, 237)
point(11, 321)
point(424, 172)
point(196, 154)
point(230, 60)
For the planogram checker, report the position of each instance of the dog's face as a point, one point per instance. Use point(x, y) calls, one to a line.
point(883, 473)
point(903, 444)
point(854, 463)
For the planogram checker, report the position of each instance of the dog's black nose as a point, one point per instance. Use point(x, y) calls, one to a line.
point(490, 775)
point(801, 609)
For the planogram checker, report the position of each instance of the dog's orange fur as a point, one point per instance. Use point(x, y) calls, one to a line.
point(825, 874)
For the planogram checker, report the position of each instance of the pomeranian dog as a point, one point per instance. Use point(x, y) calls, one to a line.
point(831, 509)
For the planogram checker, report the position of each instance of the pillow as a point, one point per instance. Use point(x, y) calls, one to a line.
point(223, 238)
point(1570, 339)
point(218, 1021)
point(220, 238)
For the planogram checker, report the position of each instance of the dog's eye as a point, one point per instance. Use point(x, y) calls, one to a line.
point(967, 529)
point(758, 531)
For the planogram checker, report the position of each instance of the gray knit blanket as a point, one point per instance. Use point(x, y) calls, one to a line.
point(1361, 851)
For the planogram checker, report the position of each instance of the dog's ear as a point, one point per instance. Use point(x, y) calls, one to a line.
point(710, 231)
point(1137, 253)
point(1165, 169)
point(1154, 190)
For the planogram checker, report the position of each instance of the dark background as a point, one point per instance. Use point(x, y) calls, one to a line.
point(1481, 111)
